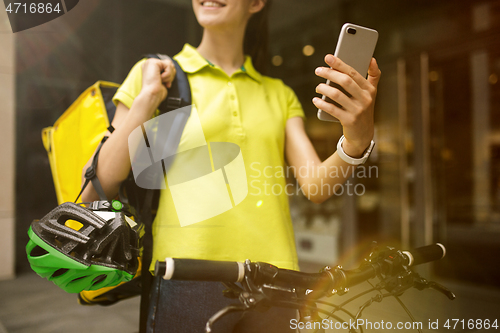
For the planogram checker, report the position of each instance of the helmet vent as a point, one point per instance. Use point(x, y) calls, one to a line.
point(73, 224)
point(37, 251)
point(79, 278)
point(59, 272)
point(98, 279)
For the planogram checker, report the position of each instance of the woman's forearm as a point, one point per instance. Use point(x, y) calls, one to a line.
point(317, 179)
point(321, 180)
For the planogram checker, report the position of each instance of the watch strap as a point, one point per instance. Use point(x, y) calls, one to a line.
point(351, 160)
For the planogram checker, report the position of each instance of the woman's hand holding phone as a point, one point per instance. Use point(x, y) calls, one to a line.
point(356, 114)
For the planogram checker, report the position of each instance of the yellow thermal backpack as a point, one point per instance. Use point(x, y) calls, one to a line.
point(75, 136)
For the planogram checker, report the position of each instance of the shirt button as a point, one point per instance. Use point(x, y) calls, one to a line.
point(235, 113)
point(229, 83)
point(232, 97)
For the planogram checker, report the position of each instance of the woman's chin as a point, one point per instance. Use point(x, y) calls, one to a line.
point(211, 22)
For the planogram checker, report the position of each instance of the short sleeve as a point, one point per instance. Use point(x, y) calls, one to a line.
point(294, 108)
point(131, 87)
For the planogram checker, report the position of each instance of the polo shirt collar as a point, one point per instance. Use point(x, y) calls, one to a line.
point(250, 70)
point(192, 61)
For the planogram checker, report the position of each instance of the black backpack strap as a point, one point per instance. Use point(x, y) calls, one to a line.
point(91, 175)
point(147, 254)
point(179, 95)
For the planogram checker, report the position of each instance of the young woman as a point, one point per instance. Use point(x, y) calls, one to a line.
point(235, 103)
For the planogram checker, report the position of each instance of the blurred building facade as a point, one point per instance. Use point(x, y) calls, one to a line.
point(7, 162)
point(437, 137)
point(436, 169)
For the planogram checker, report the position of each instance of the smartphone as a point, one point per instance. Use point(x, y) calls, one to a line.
point(355, 47)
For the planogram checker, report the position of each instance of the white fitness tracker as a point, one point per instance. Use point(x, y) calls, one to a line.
point(349, 159)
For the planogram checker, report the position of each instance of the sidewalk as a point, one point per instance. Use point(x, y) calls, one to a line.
point(30, 304)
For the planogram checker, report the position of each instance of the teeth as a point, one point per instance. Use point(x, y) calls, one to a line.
point(212, 4)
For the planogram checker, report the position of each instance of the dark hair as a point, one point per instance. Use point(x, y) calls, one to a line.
point(256, 41)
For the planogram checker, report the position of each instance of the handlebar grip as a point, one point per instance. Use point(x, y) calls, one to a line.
point(425, 254)
point(200, 270)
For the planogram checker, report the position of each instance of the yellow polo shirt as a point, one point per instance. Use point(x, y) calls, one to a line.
point(249, 110)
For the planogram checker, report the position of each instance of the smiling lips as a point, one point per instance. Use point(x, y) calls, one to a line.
point(212, 4)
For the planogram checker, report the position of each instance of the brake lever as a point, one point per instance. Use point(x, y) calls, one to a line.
point(420, 283)
point(442, 289)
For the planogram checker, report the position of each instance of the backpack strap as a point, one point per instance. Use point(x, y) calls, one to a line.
point(179, 94)
point(91, 175)
point(147, 255)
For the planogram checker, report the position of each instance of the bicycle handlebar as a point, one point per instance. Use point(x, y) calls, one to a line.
point(224, 271)
point(425, 254)
point(200, 270)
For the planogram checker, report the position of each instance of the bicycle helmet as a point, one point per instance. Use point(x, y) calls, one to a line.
point(78, 250)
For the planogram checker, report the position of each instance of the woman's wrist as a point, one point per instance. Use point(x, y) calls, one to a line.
point(149, 98)
point(354, 151)
point(147, 102)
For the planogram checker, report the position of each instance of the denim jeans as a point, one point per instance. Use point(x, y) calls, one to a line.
point(186, 306)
